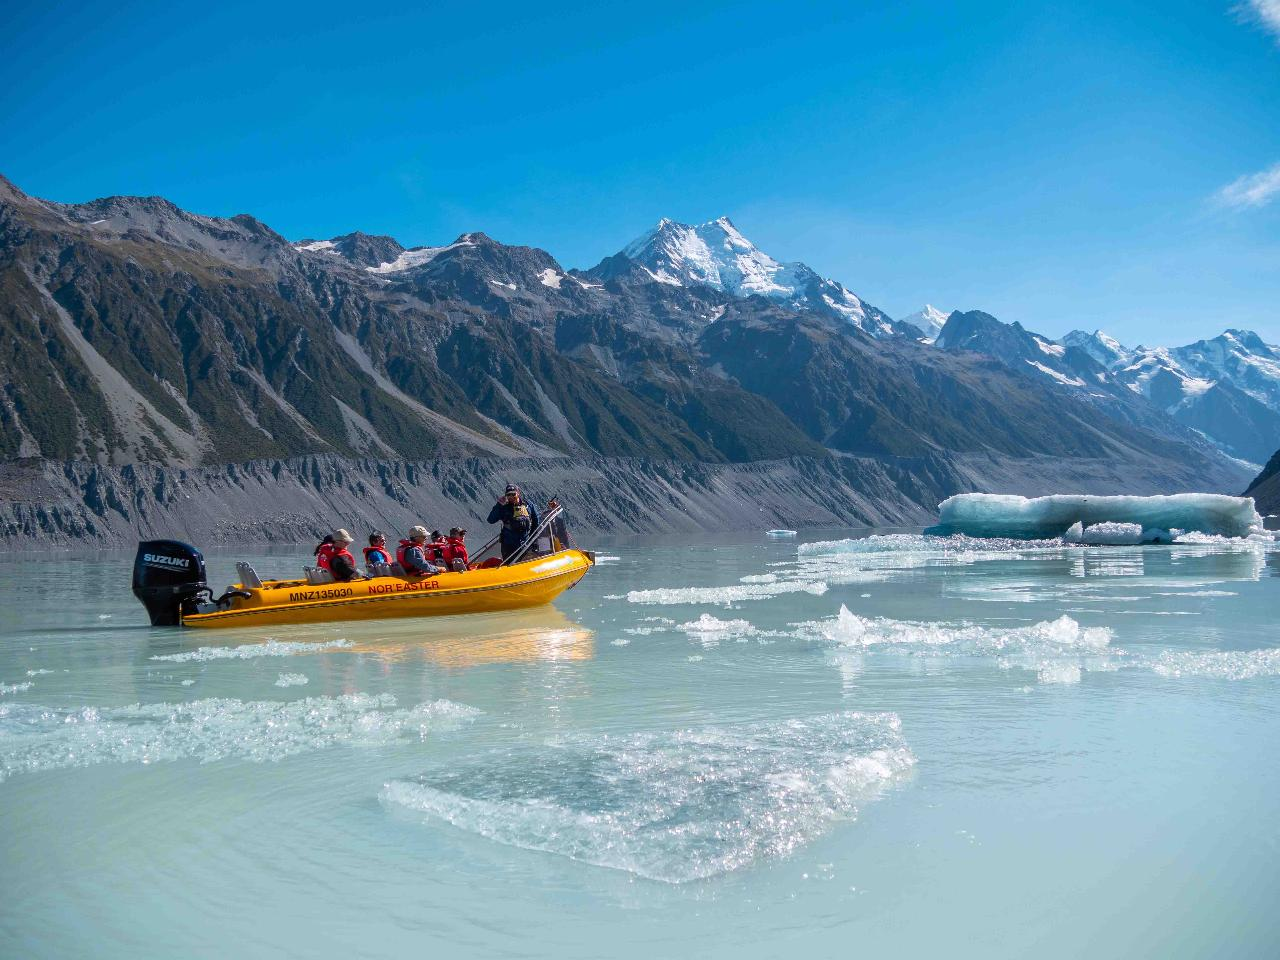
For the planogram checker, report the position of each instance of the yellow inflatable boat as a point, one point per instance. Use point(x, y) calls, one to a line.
point(169, 579)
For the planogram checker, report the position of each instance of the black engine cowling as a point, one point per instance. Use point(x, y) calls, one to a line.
point(167, 574)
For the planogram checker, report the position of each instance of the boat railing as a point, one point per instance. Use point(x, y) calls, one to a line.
point(539, 533)
point(551, 535)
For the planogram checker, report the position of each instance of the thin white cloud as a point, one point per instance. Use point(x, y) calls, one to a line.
point(1266, 13)
point(1251, 190)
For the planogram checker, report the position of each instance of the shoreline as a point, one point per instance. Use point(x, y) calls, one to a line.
point(51, 504)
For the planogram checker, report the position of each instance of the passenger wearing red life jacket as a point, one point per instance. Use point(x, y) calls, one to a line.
point(412, 555)
point(455, 551)
point(333, 555)
point(324, 552)
point(436, 549)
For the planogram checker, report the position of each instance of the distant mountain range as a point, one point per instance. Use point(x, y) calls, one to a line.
point(137, 333)
point(1226, 389)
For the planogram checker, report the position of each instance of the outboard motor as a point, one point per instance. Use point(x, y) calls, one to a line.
point(166, 575)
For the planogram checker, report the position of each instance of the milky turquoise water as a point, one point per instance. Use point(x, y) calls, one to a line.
point(694, 753)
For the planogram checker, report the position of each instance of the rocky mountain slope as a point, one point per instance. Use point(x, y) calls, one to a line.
point(1265, 490)
point(153, 348)
point(45, 503)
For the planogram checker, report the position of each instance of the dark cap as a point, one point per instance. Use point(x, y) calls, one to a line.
point(458, 532)
point(512, 488)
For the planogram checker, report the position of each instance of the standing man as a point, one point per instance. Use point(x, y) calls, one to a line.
point(519, 520)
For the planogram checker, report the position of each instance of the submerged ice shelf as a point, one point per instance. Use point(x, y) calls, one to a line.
point(674, 806)
point(1086, 519)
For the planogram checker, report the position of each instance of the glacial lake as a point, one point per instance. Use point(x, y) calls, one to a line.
point(719, 747)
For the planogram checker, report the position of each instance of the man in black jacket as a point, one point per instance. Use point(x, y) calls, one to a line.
point(519, 519)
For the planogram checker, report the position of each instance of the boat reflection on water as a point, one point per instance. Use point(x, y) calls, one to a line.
point(540, 634)
point(536, 634)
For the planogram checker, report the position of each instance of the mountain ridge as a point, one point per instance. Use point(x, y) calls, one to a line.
point(141, 334)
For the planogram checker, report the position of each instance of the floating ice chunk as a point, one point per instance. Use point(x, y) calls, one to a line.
point(710, 630)
point(292, 680)
point(1059, 673)
point(1117, 534)
point(38, 673)
point(725, 595)
point(1219, 664)
point(15, 687)
point(1052, 648)
point(997, 515)
point(852, 630)
point(759, 578)
point(779, 533)
point(251, 651)
point(1197, 593)
point(673, 807)
point(36, 738)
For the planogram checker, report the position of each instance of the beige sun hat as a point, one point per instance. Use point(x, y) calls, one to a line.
point(341, 536)
point(418, 532)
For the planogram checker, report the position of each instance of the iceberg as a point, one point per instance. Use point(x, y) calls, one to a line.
point(1117, 534)
point(1085, 519)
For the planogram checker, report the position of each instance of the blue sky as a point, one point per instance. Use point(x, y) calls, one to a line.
point(1065, 165)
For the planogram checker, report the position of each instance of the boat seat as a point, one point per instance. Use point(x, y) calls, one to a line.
point(397, 570)
point(316, 577)
point(248, 576)
point(379, 569)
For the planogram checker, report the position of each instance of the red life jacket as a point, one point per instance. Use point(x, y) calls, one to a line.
point(456, 549)
point(400, 552)
point(384, 555)
point(435, 551)
point(324, 555)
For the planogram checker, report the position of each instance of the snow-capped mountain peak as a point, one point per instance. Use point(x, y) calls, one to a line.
point(717, 254)
point(928, 321)
point(1107, 350)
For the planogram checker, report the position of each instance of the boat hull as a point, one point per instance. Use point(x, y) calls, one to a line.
point(530, 584)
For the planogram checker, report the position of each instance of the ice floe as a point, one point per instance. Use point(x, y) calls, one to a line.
point(710, 630)
point(251, 651)
point(1117, 534)
point(1218, 664)
point(1063, 635)
point(34, 738)
point(292, 680)
point(725, 595)
point(1055, 650)
point(674, 806)
point(999, 515)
